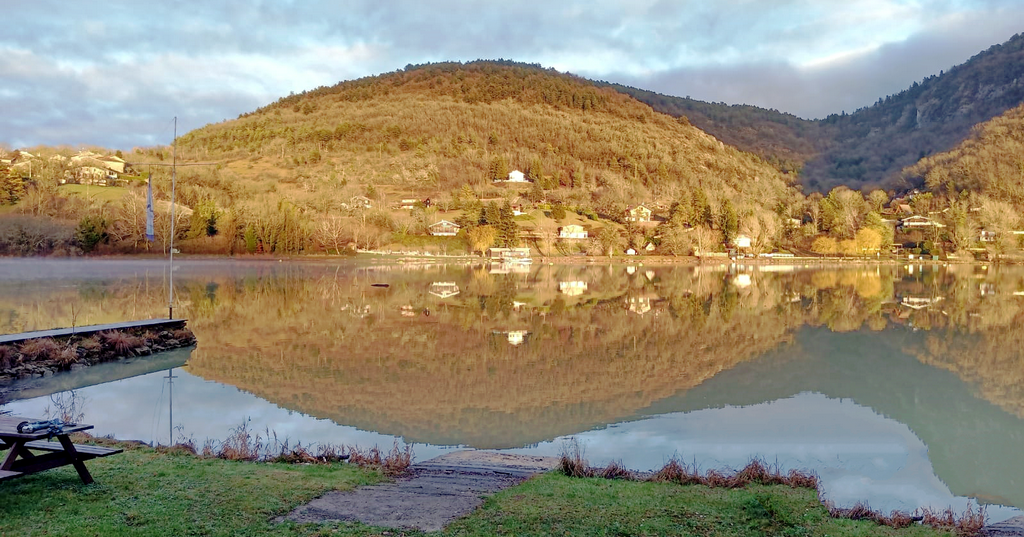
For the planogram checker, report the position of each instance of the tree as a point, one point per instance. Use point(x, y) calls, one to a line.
point(825, 245)
point(729, 221)
point(842, 211)
point(558, 212)
point(480, 238)
point(877, 200)
point(508, 229)
point(868, 241)
point(91, 231)
point(704, 239)
point(608, 238)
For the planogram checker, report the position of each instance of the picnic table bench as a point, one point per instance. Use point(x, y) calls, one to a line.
point(20, 459)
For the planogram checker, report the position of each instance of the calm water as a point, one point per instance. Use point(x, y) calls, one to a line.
point(900, 386)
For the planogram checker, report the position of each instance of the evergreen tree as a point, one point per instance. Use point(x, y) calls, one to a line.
point(508, 229)
point(729, 221)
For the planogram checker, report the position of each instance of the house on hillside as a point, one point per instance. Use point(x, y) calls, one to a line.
point(408, 204)
point(572, 231)
point(986, 236)
point(360, 202)
point(638, 214)
point(741, 242)
point(444, 228)
point(112, 163)
point(516, 176)
point(919, 222)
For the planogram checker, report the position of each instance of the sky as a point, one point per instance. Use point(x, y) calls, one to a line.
point(115, 74)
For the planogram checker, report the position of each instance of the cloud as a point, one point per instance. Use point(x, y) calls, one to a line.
point(77, 74)
point(845, 82)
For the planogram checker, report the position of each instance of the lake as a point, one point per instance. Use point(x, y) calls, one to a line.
point(901, 386)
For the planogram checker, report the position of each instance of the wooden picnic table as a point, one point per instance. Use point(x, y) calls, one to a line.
point(20, 460)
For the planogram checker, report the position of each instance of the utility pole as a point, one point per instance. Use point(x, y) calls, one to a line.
point(170, 391)
point(174, 165)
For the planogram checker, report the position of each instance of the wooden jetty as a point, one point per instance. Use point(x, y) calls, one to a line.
point(163, 324)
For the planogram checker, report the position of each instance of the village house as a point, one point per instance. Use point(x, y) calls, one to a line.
point(986, 236)
point(640, 213)
point(741, 242)
point(444, 228)
point(516, 176)
point(919, 222)
point(112, 163)
point(509, 254)
point(360, 202)
point(408, 204)
point(572, 231)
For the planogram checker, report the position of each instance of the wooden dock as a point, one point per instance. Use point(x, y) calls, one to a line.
point(163, 324)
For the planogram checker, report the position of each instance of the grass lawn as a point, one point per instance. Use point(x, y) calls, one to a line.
point(96, 193)
point(143, 492)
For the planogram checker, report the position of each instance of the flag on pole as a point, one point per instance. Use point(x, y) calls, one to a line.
point(149, 209)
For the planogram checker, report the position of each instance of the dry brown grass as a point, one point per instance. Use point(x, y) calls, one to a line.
point(66, 357)
point(615, 470)
point(968, 524)
point(122, 342)
point(183, 334)
point(243, 444)
point(91, 344)
point(571, 462)
point(37, 349)
point(9, 357)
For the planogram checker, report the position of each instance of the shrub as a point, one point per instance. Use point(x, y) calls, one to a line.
point(40, 348)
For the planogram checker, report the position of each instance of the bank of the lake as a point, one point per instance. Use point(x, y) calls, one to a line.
point(144, 491)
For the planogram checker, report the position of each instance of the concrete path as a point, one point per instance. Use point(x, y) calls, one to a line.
point(1009, 528)
point(435, 493)
point(91, 329)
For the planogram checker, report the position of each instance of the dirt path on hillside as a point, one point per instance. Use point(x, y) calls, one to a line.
point(435, 493)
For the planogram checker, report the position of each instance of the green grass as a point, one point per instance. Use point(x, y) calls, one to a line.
point(143, 492)
point(558, 505)
point(96, 193)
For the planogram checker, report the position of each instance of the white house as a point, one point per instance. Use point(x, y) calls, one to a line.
point(741, 241)
point(919, 222)
point(516, 176)
point(572, 231)
point(444, 228)
point(640, 213)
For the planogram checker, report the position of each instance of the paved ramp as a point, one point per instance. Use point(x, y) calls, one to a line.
point(435, 493)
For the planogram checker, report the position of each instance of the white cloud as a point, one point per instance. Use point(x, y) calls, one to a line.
point(206, 61)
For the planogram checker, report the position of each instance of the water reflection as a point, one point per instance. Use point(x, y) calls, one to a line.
point(889, 381)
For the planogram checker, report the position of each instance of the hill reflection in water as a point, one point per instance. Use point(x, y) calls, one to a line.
point(458, 355)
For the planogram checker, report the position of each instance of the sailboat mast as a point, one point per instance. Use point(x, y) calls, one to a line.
point(170, 265)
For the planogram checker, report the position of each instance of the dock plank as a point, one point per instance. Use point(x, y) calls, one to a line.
point(91, 329)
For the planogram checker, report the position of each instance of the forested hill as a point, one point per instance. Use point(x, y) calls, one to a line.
point(784, 140)
point(871, 146)
point(990, 163)
point(875, 143)
point(436, 128)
